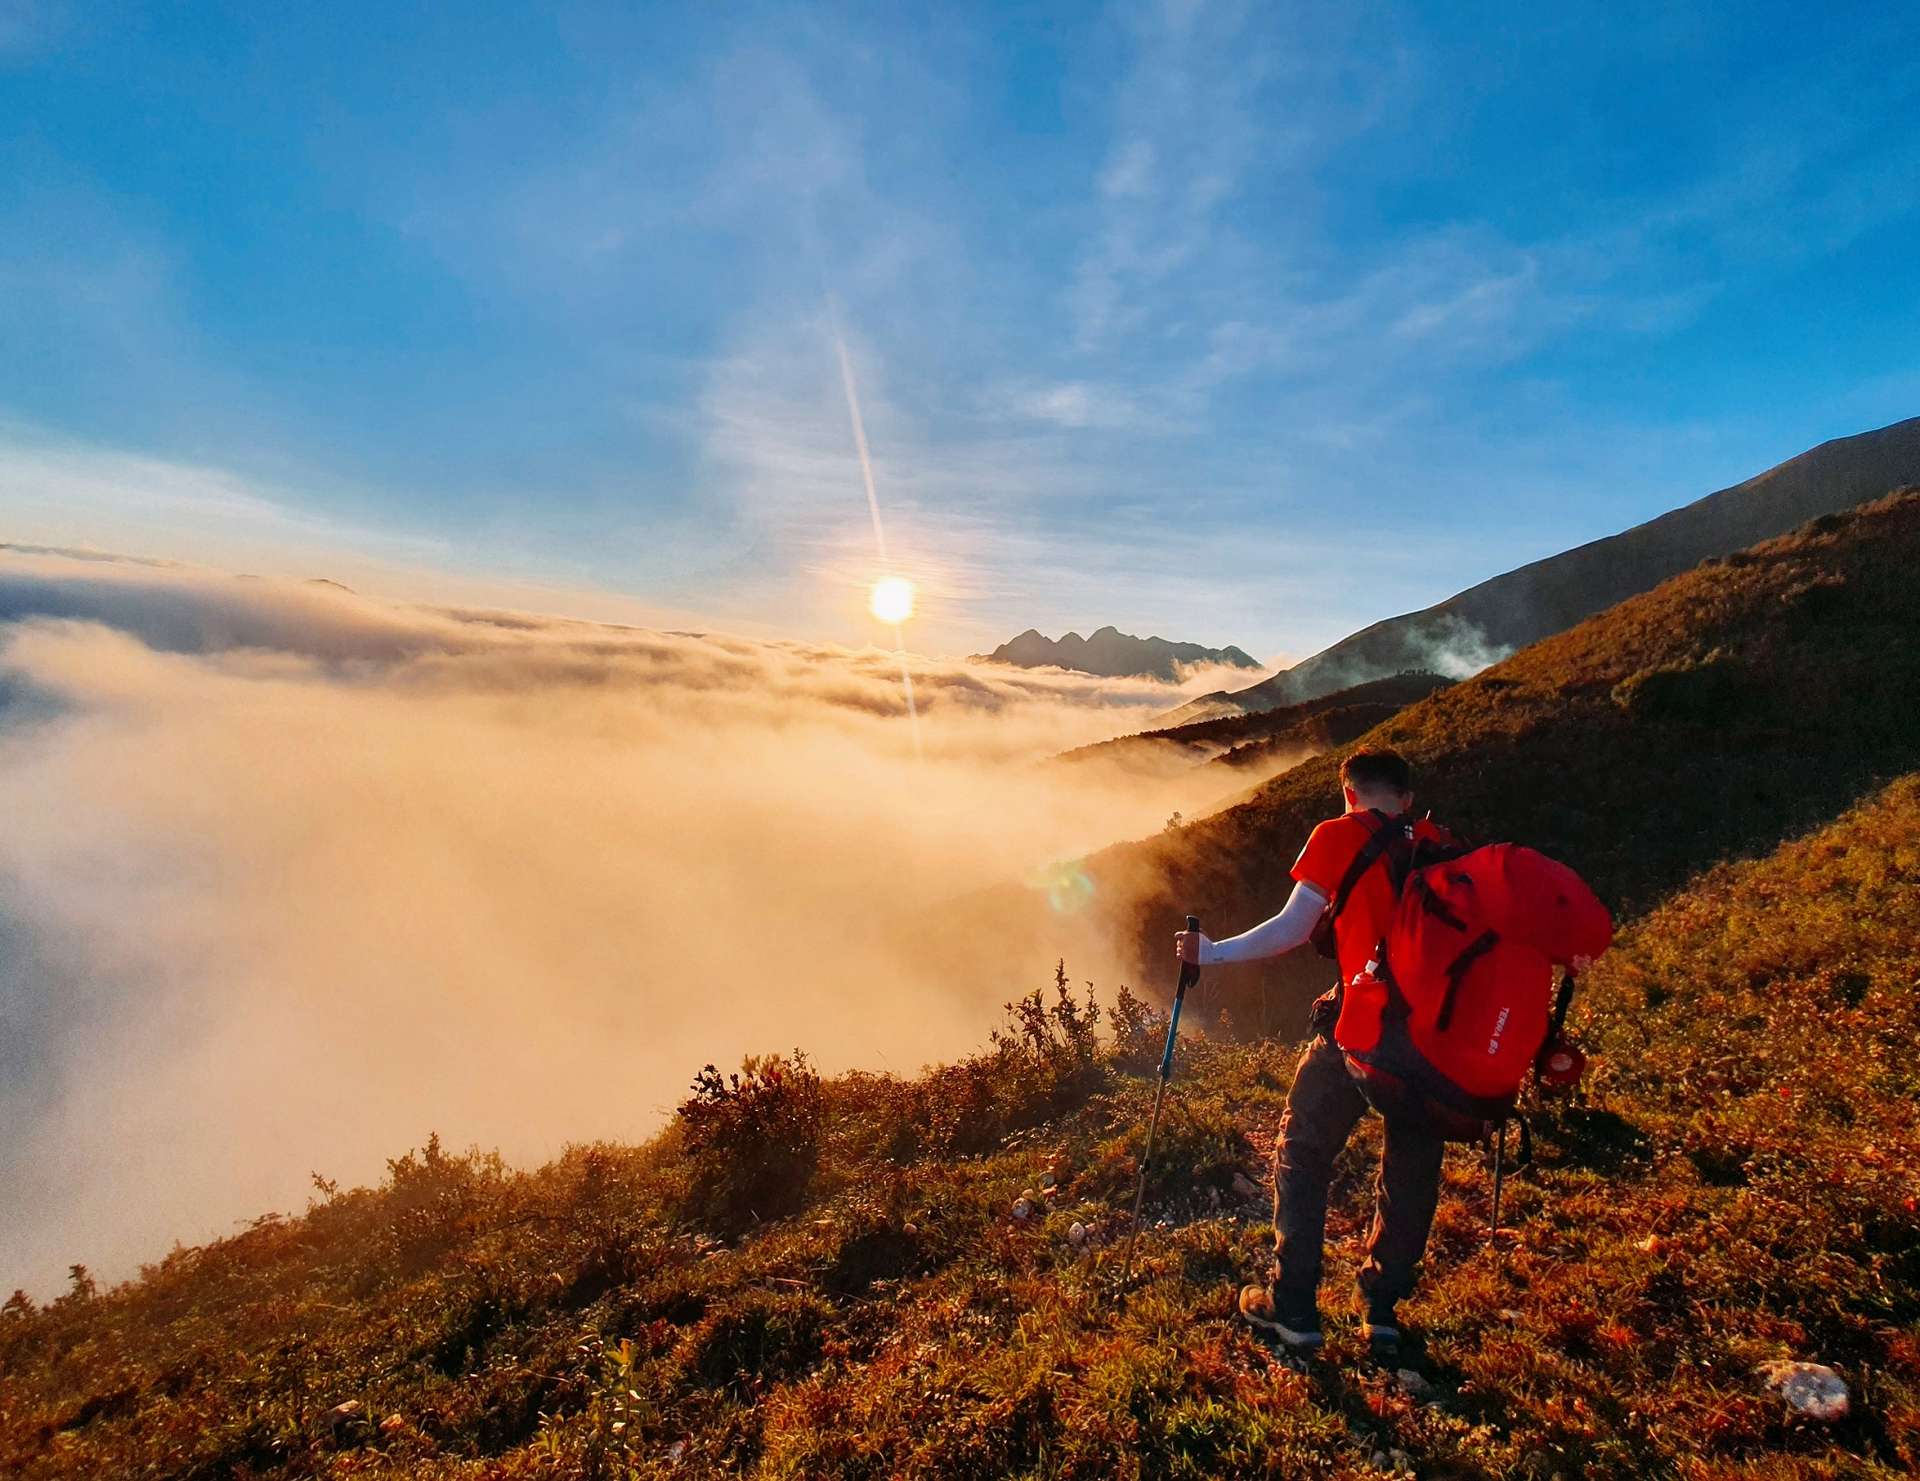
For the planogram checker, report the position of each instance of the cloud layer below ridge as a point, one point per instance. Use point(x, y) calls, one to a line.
point(291, 878)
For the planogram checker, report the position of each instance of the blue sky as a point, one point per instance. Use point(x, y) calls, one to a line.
point(1239, 323)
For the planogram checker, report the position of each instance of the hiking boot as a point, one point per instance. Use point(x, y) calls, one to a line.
point(1298, 1327)
point(1382, 1331)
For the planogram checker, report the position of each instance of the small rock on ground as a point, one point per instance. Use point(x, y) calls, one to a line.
point(1810, 1389)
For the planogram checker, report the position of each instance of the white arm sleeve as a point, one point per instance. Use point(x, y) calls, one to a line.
point(1292, 926)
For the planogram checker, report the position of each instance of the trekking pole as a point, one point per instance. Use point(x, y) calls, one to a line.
point(1189, 974)
point(1556, 1026)
point(1499, 1171)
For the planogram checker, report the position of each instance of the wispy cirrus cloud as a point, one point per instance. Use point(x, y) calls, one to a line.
point(65, 493)
point(1255, 266)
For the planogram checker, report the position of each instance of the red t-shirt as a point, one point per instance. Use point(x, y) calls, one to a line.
point(1324, 862)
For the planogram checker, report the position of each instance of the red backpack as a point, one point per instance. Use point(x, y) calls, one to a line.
point(1458, 1002)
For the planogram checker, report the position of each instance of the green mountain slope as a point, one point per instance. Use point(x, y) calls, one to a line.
point(1707, 719)
point(1737, 1186)
point(1547, 596)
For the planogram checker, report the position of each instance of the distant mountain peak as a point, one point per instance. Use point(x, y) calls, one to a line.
point(1112, 654)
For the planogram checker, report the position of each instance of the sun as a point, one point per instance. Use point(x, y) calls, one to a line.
point(891, 599)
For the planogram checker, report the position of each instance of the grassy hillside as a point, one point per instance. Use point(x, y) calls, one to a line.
point(1707, 719)
point(1548, 596)
point(802, 1279)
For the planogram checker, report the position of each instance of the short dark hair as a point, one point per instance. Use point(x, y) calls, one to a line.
point(1376, 769)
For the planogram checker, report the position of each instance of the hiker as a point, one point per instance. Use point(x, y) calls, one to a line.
point(1326, 1102)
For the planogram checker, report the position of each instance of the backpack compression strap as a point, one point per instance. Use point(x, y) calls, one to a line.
point(1561, 1003)
point(1479, 947)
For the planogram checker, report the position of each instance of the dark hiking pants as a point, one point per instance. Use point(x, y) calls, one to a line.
point(1322, 1109)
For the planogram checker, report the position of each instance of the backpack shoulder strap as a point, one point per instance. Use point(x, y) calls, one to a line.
point(1371, 852)
point(1434, 844)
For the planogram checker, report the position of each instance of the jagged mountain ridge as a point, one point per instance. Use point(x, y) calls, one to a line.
point(1112, 654)
point(1548, 596)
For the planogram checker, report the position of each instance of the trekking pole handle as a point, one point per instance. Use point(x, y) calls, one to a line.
point(1189, 974)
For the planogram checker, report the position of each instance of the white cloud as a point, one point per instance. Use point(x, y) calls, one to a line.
point(290, 878)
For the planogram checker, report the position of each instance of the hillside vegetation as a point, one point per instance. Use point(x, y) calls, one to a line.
point(826, 1279)
point(1708, 719)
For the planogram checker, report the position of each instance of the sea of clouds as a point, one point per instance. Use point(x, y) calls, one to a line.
point(289, 878)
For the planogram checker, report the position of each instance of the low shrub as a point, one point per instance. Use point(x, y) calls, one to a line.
point(752, 1140)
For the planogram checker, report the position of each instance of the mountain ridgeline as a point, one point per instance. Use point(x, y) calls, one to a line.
point(1707, 719)
point(1112, 654)
point(1548, 596)
point(1246, 740)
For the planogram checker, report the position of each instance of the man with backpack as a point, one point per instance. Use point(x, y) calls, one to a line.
point(1374, 1036)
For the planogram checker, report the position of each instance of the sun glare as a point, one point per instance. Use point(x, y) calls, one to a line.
point(891, 599)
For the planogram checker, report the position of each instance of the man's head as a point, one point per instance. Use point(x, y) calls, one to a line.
point(1373, 776)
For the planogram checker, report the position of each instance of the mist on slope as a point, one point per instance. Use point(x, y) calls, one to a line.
point(289, 878)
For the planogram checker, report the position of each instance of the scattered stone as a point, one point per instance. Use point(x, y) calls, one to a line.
point(1023, 1208)
point(1077, 1235)
point(909, 1228)
point(1400, 1460)
point(1245, 1186)
point(1810, 1389)
point(676, 1451)
point(1378, 1460)
point(392, 1424)
point(344, 1419)
point(1652, 1244)
point(1415, 1385)
point(1050, 1181)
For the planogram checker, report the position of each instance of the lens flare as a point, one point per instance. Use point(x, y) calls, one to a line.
point(1066, 884)
point(891, 600)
